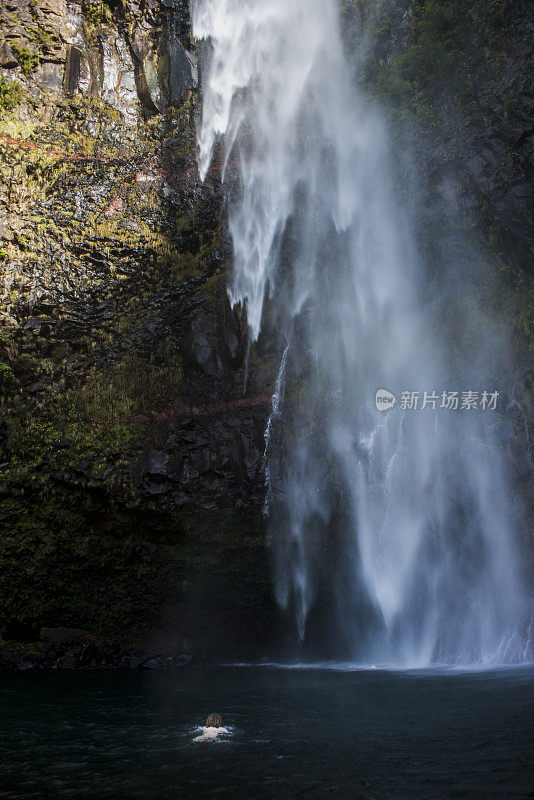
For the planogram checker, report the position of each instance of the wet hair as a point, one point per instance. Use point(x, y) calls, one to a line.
point(214, 721)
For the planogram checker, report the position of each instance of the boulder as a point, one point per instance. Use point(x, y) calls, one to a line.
point(7, 57)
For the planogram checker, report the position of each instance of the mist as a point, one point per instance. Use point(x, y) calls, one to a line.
point(393, 530)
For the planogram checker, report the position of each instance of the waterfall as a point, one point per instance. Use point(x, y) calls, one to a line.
point(392, 523)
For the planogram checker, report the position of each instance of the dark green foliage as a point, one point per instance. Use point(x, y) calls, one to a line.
point(427, 60)
point(70, 559)
point(428, 67)
point(59, 563)
point(7, 377)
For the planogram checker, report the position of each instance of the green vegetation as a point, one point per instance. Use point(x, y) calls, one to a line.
point(96, 421)
point(28, 61)
point(96, 12)
point(428, 68)
point(60, 562)
point(10, 94)
point(7, 377)
point(429, 61)
point(44, 40)
point(71, 558)
point(87, 539)
point(419, 62)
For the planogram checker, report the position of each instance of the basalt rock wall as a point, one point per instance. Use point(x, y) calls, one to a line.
point(131, 483)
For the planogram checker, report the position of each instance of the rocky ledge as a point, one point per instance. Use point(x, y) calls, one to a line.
point(63, 649)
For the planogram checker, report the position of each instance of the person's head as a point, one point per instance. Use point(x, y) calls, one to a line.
point(214, 721)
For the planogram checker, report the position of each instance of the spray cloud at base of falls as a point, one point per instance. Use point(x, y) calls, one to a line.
point(394, 531)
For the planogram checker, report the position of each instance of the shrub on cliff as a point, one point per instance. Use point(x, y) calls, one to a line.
point(10, 94)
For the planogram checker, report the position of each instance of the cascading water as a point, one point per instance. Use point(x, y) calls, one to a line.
point(398, 524)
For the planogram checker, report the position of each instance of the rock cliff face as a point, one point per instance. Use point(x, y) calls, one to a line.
point(131, 468)
point(132, 475)
point(462, 73)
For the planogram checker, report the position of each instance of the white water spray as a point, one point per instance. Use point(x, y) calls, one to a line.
point(404, 519)
point(271, 422)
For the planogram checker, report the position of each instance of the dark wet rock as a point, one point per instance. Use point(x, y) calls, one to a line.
point(157, 463)
point(183, 73)
point(138, 657)
point(68, 661)
point(178, 662)
point(91, 653)
point(152, 663)
point(8, 660)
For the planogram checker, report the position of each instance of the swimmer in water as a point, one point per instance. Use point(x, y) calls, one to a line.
point(212, 729)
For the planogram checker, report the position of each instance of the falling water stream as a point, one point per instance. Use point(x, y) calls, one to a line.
point(394, 531)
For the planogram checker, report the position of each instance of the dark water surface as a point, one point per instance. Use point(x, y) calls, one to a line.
point(296, 734)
